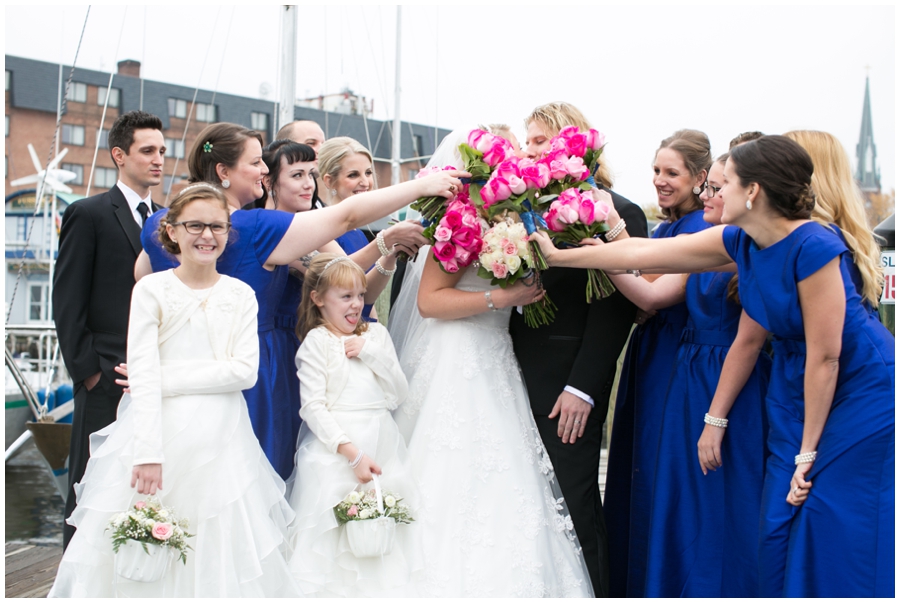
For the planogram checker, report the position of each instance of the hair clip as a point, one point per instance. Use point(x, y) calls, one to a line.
point(207, 147)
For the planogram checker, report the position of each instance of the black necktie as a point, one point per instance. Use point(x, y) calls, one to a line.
point(144, 211)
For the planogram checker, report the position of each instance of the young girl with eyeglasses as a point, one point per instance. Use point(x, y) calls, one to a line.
point(350, 381)
point(183, 433)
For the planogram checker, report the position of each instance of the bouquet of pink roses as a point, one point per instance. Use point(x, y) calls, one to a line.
point(456, 235)
point(573, 216)
point(571, 161)
point(505, 258)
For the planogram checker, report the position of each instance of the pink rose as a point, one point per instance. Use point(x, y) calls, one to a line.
point(457, 205)
point(140, 504)
point(507, 168)
point(601, 211)
point(444, 250)
point(452, 220)
point(558, 169)
point(577, 145)
point(442, 233)
point(480, 140)
point(510, 249)
point(570, 196)
point(499, 270)
point(517, 185)
point(536, 176)
point(463, 256)
point(464, 237)
point(576, 168)
point(552, 219)
point(352, 511)
point(567, 211)
point(557, 143)
point(525, 162)
point(451, 265)
point(595, 140)
point(162, 531)
point(568, 132)
point(497, 153)
point(586, 211)
point(470, 219)
point(496, 189)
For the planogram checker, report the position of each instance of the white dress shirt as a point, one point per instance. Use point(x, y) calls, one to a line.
point(134, 200)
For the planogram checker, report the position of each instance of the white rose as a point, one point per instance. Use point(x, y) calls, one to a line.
point(354, 497)
point(497, 257)
point(513, 262)
point(365, 514)
point(389, 501)
point(163, 513)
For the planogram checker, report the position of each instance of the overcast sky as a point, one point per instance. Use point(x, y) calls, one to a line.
point(639, 72)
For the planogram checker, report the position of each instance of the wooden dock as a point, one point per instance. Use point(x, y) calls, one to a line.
point(31, 569)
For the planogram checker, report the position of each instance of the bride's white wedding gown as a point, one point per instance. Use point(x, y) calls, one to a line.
point(493, 520)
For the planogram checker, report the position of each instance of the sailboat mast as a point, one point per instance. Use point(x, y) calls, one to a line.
point(395, 148)
point(288, 67)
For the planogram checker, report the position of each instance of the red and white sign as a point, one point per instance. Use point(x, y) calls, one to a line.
point(889, 295)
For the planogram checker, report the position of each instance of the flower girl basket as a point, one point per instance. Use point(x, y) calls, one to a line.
point(134, 563)
point(372, 537)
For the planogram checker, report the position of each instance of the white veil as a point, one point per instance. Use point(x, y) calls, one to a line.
point(405, 320)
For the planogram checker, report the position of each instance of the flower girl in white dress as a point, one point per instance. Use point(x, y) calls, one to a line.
point(350, 381)
point(183, 433)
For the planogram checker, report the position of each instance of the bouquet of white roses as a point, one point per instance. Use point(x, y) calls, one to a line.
point(358, 506)
point(148, 522)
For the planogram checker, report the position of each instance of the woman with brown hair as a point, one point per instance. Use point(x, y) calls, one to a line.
point(827, 520)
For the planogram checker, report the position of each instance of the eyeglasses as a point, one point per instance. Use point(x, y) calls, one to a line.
point(712, 191)
point(217, 228)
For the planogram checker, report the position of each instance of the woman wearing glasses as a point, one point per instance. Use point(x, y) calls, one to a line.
point(264, 242)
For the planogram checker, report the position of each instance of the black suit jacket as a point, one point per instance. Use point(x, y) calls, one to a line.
point(99, 242)
point(580, 348)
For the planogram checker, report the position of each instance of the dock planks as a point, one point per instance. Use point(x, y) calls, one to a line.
point(30, 569)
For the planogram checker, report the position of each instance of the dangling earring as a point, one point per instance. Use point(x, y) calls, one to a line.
point(226, 183)
point(749, 204)
point(334, 192)
point(697, 190)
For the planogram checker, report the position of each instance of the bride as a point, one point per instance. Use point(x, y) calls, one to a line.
point(493, 518)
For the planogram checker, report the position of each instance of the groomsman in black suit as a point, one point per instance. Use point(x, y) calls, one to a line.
point(99, 241)
point(569, 367)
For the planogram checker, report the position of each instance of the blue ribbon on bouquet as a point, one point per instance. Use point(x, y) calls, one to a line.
point(531, 219)
point(470, 181)
point(590, 180)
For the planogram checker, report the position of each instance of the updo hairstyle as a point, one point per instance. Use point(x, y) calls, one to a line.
point(342, 273)
point(694, 149)
point(783, 169)
point(333, 152)
point(218, 143)
point(201, 191)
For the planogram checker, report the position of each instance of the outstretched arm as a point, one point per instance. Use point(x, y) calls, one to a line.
point(692, 253)
point(663, 292)
point(312, 229)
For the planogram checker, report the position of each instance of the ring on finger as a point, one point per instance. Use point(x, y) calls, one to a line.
point(578, 421)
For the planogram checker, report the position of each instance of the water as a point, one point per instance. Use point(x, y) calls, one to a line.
point(34, 508)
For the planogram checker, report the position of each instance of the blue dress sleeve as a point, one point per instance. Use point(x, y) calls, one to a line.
point(160, 259)
point(816, 250)
point(731, 238)
point(267, 228)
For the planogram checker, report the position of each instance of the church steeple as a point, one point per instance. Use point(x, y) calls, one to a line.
point(867, 173)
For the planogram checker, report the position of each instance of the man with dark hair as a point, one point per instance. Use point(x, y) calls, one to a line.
point(99, 242)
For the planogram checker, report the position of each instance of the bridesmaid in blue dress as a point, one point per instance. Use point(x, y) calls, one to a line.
point(263, 243)
point(680, 169)
point(698, 511)
point(827, 519)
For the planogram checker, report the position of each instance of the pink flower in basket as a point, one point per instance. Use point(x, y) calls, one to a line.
point(352, 511)
point(140, 504)
point(162, 531)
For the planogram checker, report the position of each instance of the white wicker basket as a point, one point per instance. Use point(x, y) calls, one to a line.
point(372, 537)
point(133, 563)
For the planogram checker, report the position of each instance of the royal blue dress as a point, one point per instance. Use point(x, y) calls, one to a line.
point(704, 529)
point(840, 542)
point(254, 235)
point(636, 428)
point(351, 242)
point(286, 329)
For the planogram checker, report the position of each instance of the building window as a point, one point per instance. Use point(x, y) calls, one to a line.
point(105, 177)
point(205, 113)
point(78, 92)
point(113, 97)
point(73, 135)
point(259, 121)
point(168, 181)
point(78, 170)
point(103, 136)
point(37, 302)
point(8, 79)
point(175, 148)
point(21, 229)
point(177, 108)
point(417, 145)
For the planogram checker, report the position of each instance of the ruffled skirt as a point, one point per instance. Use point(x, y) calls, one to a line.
point(323, 563)
point(214, 474)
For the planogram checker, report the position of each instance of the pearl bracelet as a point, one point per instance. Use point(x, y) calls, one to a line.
point(615, 231)
point(382, 269)
point(715, 421)
point(379, 240)
point(490, 301)
point(805, 457)
point(355, 462)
